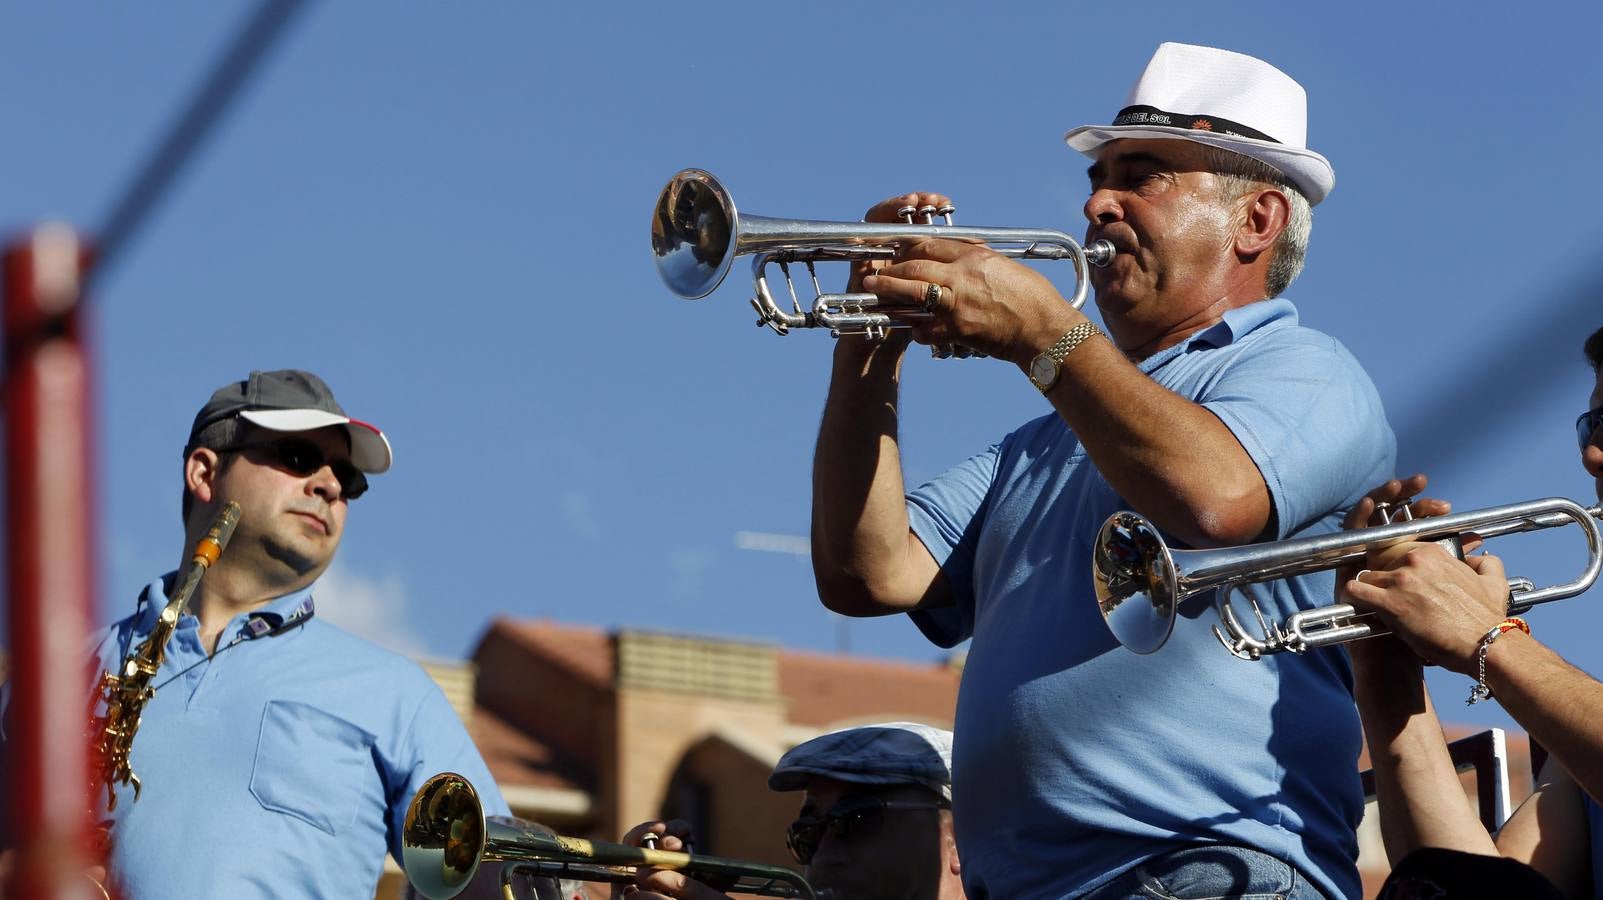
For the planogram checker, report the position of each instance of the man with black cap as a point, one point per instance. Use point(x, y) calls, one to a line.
point(279, 753)
point(1082, 769)
point(875, 822)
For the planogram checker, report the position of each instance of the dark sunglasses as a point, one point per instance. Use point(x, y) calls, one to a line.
point(303, 458)
point(1589, 422)
point(858, 816)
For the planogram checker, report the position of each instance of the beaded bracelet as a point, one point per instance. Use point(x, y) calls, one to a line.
point(1481, 690)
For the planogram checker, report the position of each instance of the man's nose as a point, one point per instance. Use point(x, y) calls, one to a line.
point(322, 483)
point(1103, 207)
point(1592, 454)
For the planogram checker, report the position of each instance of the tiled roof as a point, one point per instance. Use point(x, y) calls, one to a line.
point(516, 757)
point(821, 689)
point(584, 651)
point(824, 689)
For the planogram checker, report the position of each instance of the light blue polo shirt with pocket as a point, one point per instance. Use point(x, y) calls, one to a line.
point(282, 765)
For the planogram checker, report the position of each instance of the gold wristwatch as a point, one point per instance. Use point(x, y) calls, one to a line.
point(1045, 368)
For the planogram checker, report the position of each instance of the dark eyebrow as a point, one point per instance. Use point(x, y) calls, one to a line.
point(1137, 158)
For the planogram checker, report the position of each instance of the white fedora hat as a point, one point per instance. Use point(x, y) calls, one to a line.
point(1222, 99)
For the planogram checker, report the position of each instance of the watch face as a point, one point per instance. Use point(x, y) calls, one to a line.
point(1043, 369)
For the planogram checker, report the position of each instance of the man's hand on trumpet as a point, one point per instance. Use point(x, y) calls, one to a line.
point(889, 211)
point(1440, 607)
point(977, 298)
point(661, 884)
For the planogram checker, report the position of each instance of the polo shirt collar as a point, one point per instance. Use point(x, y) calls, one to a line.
point(1231, 327)
point(153, 599)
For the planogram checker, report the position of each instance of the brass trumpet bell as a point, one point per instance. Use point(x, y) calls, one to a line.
point(446, 837)
point(443, 839)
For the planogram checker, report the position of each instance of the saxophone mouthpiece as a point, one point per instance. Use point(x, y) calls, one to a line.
point(217, 536)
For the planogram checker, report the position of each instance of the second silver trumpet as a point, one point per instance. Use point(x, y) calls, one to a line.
point(1141, 581)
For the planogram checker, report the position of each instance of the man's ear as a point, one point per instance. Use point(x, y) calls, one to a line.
point(1266, 215)
point(200, 473)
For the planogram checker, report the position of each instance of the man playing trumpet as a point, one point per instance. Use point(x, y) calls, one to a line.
point(875, 820)
point(1455, 614)
point(1082, 769)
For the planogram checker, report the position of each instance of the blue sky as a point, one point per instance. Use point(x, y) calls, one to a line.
point(443, 209)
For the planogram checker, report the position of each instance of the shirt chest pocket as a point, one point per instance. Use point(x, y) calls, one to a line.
point(311, 764)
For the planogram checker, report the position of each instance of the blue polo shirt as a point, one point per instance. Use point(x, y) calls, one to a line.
point(1074, 758)
point(280, 766)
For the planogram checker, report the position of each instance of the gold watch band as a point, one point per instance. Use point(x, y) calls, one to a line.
point(1063, 346)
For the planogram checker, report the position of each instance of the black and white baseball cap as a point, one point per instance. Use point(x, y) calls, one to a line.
point(293, 400)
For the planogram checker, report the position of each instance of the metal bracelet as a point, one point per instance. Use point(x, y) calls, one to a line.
point(1481, 690)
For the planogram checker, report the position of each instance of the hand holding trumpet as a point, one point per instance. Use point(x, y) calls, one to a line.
point(662, 884)
point(977, 298)
point(1440, 607)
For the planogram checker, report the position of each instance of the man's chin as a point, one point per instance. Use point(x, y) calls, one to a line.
point(1111, 300)
point(303, 558)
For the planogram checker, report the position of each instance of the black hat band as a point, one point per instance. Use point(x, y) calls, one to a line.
point(1151, 115)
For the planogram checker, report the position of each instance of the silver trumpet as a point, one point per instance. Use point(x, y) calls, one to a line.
point(696, 235)
point(446, 837)
point(1141, 582)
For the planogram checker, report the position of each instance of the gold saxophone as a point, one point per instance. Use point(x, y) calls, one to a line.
point(125, 694)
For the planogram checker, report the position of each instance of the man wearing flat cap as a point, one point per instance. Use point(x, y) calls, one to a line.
point(1082, 769)
point(875, 821)
point(278, 754)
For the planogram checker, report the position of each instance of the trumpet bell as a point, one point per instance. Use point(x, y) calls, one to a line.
point(1137, 585)
point(693, 234)
point(444, 836)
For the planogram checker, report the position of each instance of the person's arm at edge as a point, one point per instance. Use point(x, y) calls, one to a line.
point(1420, 798)
point(1549, 832)
point(866, 559)
point(1558, 704)
point(1421, 801)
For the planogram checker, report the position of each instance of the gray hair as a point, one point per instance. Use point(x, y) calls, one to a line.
point(1240, 175)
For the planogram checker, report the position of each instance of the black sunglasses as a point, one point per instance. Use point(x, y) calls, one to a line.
point(1589, 422)
point(302, 457)
point(858, 816)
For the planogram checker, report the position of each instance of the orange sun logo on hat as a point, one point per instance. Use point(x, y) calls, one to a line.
point(1202, 125)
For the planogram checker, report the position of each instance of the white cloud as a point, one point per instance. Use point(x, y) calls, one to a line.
point(372, 608)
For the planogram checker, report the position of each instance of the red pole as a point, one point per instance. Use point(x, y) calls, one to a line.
point(50, 562)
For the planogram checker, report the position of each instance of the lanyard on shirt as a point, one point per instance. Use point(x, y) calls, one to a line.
point(255, 627)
